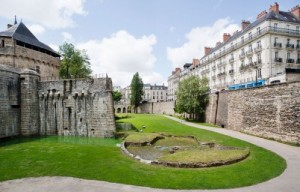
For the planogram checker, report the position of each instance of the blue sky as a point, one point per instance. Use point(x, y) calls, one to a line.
point(127, 36)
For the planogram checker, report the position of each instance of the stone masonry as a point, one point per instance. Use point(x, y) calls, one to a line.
point(270, 111)
point(80, 107)
point(77, 107)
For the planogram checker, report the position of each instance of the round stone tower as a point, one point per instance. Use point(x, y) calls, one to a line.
point(29, 102)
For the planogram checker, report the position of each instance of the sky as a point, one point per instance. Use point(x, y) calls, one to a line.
point(123, 37)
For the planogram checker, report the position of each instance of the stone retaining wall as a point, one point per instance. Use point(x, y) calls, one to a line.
point(270, 111)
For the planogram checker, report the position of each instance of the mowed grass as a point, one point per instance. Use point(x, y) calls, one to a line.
point(100, 159)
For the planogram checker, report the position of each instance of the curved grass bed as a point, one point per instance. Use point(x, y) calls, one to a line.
point(100, 159)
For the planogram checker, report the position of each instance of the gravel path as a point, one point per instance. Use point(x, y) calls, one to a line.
point(289, 181)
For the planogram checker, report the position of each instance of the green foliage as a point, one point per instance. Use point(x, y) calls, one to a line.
point(192, 96)
point(136, 91)
point(117, 96)
point(104, 161)
point(75, 63)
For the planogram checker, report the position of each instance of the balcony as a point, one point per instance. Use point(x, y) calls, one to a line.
point(221, 74)
point(290, 46)
point(242, 55)
point(221, 64)
point(257, 49)
point(249, 52)
point(231, 60)
point(278, 60)
point(290, 61)
point(277, 45)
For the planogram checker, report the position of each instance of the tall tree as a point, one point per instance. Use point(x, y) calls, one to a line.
point(75, 63)
point(192, 96)
point(117, 96)
point(136, 91)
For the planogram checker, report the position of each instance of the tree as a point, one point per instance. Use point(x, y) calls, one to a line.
point(192, 96)
point(117, 96)
point(75, 63)
point(136, 91)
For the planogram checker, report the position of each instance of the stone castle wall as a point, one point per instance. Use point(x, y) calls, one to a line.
point(77, 107)
point(271, 111)
point(65, 107)
point(9, 102)
point(24, 58)
point(157, 108)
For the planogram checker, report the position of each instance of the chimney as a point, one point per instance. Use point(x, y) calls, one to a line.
point(226, 36)
point(263, 13)
point(207, 50)
point(296, 11)
point(9, 26)
point(245, 24)
point(274, 8)
point(218, 43)
point(196, 62)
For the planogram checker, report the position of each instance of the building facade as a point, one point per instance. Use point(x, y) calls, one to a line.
point(265, 51)
point(19, 48)
point(155, 93)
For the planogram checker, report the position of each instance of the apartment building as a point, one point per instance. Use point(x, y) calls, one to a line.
point(265, 51)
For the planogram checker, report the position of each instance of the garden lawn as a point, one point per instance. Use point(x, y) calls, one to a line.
point(100, 159)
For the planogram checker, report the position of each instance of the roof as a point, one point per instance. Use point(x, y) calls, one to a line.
point(281, 16)
point(21, 33)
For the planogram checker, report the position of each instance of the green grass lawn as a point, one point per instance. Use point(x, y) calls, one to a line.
point(100, 159)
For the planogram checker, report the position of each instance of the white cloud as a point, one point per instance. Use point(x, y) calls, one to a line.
point(121, 55)
point(197, 39)
point(67, 36)
point(51, 13)
point(36, 29)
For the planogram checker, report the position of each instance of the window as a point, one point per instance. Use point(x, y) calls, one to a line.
point(231, 45)
point(297, 29)
point(287, 28)
point(242, 38)
point(2, 43)
point(259, 58)
point(37, 69)
point(243, 51)
point(275, 40)
point(153, 97)
point(258, 44)
point(250, 47)
point(288, 55)
point(250, 35)
point(276, 55)
point(259, 73)
point(258, 30)
point(275, 27)
point(288, 41)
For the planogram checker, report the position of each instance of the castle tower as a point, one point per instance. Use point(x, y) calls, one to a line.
point(29, 103)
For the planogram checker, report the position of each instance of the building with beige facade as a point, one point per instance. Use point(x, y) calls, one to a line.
point(263, 52)
point(20, 49)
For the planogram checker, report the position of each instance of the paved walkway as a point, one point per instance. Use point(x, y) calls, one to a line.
point(289, 181)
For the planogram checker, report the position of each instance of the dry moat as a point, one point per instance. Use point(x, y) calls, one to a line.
point(180, 151)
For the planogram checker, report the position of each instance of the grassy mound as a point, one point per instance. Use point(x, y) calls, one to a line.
point(203, 158)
